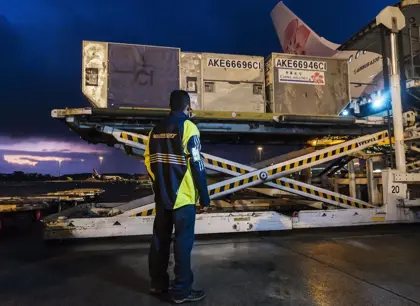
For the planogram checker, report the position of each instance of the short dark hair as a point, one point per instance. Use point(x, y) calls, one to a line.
point(180, 99)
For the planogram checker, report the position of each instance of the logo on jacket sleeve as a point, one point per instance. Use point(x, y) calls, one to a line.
point(164, 136)
point(195, 154)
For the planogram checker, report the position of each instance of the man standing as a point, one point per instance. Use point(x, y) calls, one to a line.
point(174, 163)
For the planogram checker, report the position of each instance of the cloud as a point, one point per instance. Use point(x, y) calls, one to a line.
point(49, 156)
point(54, 156)
point(33, 160)
point(35, 145)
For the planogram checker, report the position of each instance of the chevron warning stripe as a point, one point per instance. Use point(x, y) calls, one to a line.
point(322, 195)
point(248, 176)
point(130, 137)
point(413, 166)
point(320, 157)
point(234, 185)
point(310, 191)
point(146, 213)
point(224, 165)
point(253, 178)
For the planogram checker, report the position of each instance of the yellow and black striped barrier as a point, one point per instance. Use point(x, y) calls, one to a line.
point(223, 165)
point(307, 190)
point(317, 159)
point(314, 192)
point(233, 185)
point(322, 195)
point(130, 137)
point(146, 213)
point(413, 166)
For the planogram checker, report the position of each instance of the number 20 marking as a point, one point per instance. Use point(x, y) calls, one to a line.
point(395, 189)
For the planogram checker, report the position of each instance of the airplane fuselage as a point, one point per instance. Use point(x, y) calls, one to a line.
point(365, 72)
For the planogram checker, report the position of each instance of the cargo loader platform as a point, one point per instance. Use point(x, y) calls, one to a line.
point(127, 129)
point(219, 127)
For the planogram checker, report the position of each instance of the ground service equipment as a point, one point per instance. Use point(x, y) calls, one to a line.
point(366, 141)
point(120, 220)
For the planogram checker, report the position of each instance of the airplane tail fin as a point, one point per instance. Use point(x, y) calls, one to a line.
point(296, 37)
point(96, 174)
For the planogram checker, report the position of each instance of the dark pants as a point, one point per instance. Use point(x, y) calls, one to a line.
point(184, 221)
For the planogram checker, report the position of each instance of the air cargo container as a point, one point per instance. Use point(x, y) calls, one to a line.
point(300, 85)
point(124, 75)
point(224, 82)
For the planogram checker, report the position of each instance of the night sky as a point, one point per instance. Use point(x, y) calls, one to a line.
point(40, 60)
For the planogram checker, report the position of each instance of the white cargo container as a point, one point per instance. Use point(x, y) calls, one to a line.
point(124, 75)
point(223, 82)
point(306, 85)
point(191, 80)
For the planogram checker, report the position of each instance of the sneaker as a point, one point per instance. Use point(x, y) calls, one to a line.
point(194, 296)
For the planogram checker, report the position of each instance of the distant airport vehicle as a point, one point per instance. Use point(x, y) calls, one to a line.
point(144, 181)
point(112, 178)
point(365, 68)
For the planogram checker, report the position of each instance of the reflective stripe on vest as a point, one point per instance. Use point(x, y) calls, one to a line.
point(168, 159)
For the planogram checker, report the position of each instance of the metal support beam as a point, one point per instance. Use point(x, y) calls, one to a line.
point(397, 107)
point(359, 181)
point(335, 166)
point(384, 48)
point(410, 46)
point(308, 175)
point(372, 183)
point(401, 64)
point(412, 167)
point(385, 74)
point(393, 19)
point(352, 176)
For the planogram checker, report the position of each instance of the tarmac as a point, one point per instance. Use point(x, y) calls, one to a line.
point(364, 266)
point(114, 191)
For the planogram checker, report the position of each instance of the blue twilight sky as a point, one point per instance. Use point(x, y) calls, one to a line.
point(40, 59)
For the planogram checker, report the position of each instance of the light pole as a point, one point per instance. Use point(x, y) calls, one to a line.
point(59, 167)
point(82, 161)
point(101, 159)
point(260, 149)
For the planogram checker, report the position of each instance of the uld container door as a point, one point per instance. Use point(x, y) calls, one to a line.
point(142, 76)
point(233, 96)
